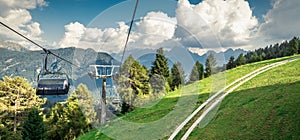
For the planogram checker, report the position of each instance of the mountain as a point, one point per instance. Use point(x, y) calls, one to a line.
point(221, 57)
point(18, 61)
point(11, 46)
point(26, 63)
point(177, 54)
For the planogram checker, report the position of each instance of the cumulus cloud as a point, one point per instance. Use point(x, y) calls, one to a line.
point(106, 40)
point(16, 14)
point(7, 5)
point(231, 22)
point(156, 27)
point(282, 21)
point(149, 31)
point(73, 33)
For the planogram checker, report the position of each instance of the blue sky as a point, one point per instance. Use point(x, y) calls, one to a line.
point(61, 12)
point(234, 24)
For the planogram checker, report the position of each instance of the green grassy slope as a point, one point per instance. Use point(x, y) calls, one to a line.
point(188, 98)
point(266, 107)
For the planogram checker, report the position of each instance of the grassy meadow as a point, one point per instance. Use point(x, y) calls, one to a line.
point(158, 119)
point(266, 107)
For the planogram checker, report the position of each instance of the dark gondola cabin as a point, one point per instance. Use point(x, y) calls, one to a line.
point(48, 86)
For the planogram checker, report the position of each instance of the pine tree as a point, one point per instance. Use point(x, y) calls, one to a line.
point(177, 76)
point(254, 58)
point(293, 46)
point(210, 65)
point(159, 73)
point(241, 60)
point(132, 81)
point(134, 76)
point(34, 127)
point(197, 72)
point(230, 63)
point(263, 56)
point(160, 65)
point(139, 79)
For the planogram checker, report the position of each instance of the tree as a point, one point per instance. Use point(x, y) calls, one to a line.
point(197, 72)
point(75, 120)
point(16, 97)
point(86, 103)
point(55, 122)
point(6, 134)
point(230, 63)
point(160, 65)
point(67, 122)
point(263, 56)
point(139, 78)
point(132, 81)
point(177, 75)
point(293, 46)
point(34, 127)
point(241, 60)
point(254, 58)
point(210, 65)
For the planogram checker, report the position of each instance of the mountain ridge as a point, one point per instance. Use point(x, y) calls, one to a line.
point(19, 61)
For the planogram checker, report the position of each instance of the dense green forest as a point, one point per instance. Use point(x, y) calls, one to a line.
point(286, 48)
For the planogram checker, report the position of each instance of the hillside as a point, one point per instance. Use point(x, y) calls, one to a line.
point(267, 107)
point(163, 112)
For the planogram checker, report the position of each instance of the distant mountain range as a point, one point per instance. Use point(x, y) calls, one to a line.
point(18, 61)
point(221, 57)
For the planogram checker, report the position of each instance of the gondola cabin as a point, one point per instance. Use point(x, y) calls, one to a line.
point(48, 86)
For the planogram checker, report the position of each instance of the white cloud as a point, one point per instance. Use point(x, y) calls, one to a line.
point(230, 21)
point(151, 30)
point(15, 13)
point(282, 21)
point(34, 29)
point(7, 5)
point(73, 34)
point(201, 51)
point(113, 39)
point(156, 27)
point(18, 17)
point(107, 40)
